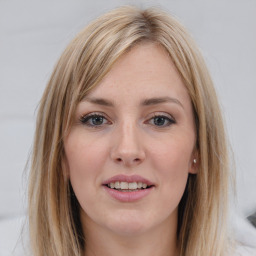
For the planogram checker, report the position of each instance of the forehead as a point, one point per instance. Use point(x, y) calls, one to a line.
point(145, 71)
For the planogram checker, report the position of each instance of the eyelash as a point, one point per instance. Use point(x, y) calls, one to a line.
point(169, 120)
point(87, 119)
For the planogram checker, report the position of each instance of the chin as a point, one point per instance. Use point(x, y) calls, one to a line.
point(128, 229)
point(128, 223)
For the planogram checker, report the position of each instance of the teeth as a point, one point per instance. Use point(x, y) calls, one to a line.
point(117, 185)
point(124, 185)
point(127, 186)
point(132, 185)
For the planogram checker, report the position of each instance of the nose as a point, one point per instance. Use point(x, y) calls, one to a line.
point(127, 146)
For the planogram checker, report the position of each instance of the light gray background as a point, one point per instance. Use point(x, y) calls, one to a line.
point(34, 33)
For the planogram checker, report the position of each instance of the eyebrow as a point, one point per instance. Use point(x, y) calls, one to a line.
point(99, 101)
point(155, 101)
point(146, 102)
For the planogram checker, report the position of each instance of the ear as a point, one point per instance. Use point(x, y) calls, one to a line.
point(194, 163)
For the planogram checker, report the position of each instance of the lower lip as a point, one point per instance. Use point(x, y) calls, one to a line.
point(128, 196)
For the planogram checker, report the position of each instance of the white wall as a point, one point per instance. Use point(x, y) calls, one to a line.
point(34, 33)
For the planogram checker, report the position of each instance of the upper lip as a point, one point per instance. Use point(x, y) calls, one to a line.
point(129, 179)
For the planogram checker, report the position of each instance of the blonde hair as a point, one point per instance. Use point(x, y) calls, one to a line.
point(55, 227)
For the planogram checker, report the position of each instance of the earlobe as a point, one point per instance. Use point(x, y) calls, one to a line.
point(194, 165)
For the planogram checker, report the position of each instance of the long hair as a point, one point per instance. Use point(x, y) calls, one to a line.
point(55, 228)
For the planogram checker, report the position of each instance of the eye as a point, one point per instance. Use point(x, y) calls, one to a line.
point(161, 121)
point(94, 120)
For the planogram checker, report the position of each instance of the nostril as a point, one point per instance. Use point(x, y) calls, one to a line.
point(121, 160)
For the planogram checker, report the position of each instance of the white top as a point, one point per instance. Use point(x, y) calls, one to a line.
point(245, 251)
point(11, 244)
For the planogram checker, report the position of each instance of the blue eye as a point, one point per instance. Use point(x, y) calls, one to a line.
point(93, 120)
point(161, 121)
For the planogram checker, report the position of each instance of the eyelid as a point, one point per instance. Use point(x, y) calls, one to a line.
point(84, 119)
point(164, 114)
point(171, 120)
point(93, 114)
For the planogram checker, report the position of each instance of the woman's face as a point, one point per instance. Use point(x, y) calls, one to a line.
point(131, 147)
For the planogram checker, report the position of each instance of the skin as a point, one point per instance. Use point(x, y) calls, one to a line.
point(129, 140)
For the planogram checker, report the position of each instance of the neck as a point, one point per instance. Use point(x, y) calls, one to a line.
point(158, 241)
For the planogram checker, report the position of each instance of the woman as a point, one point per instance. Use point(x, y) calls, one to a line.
point(130, 154)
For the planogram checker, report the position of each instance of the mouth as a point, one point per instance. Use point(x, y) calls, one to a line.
point(128, 188)
point(123, 186)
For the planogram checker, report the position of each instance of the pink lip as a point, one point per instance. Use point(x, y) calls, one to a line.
point(125, 178)
point(128, 196)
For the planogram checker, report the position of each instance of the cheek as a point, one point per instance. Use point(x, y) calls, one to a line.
point(83, 154)
point(172, 156)
point(172, 162)
point(85, 160)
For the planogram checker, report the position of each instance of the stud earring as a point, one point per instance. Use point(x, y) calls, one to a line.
point(194, 161)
